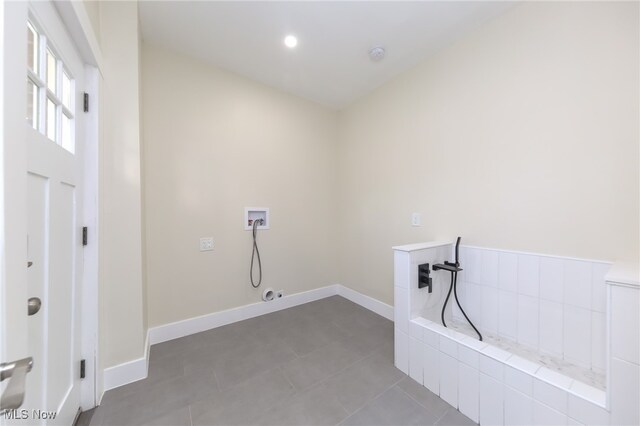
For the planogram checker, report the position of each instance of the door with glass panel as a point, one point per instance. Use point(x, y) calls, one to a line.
point(54, 78)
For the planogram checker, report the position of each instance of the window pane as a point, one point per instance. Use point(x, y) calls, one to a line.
point(32, 104)
point(51, 120)
point(51, 71)
point(32, 48)
point(67, 139)
point(66, 90)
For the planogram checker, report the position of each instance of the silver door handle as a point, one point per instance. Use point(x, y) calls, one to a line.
point(16, 372)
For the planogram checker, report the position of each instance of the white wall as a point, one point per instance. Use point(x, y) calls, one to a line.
point(214, 143)
point(523, 135)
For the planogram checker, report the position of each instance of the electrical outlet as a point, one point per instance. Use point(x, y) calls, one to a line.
point(279, 294)
point(206, 244)
point(415, 219)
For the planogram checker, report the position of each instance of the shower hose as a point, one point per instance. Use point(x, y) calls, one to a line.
point(254, 254)
point(453, 286)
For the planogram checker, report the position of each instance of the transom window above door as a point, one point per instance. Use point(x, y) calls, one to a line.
point(50, 91)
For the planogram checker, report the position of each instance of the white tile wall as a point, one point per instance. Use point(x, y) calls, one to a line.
point(577, 283)
point(401, 268)
point(528, 321)
point(598, 287)
point(528, 275)
point(551, 326)
point(518, 408)
point(474, 265)
point(449, 379)
point(508, 272)
point(550, 395)
point(544, 415)
point(448, 346)
point(468, 388)
point(401, 351)
point(577, 335)
point(508, 315)
point(416, 359)
point(547, 303)
point(625, 324)
point(473, 293)
point(492, 367)
point(518, 380)
point(401, 315)
point(625, 393)
point(587, 412)
point(495, 387)
point(552, 279)
point(431, 338)
point(491, 401)
point(489, 268)
point(624, 364)
point(598, 341)
point(469, 356)
point(489, 309)
point(431, 367)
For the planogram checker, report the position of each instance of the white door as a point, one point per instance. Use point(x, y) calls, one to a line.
point(47, 214)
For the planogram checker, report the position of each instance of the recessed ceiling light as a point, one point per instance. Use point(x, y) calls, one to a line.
point(290, 41)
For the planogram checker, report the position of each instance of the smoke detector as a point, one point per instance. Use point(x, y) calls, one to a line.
point(376, 53)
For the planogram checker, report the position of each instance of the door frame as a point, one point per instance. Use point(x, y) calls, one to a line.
point(75, 18)
point(13, 16)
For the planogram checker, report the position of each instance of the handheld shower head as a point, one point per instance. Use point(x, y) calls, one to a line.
point(457, 251)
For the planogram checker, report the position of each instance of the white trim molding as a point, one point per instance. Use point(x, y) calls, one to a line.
point(365, 301)
point(127, 372)
point(137, 369)
point(195, 325)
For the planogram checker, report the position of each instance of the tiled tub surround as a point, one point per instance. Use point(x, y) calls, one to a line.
point(551, 305)
point(527, 304)
point(494, 386)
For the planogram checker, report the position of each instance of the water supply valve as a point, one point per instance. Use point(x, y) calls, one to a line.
point(424, 278)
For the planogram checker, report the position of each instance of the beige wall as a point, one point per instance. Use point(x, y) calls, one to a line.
point(122, 327)
point(214, 143)
point(93, 11)
point(523, 135)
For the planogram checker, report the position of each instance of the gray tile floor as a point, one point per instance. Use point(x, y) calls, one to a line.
point(323, 363)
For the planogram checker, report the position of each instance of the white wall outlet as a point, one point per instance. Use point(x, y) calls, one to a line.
point(415, 219)
point(279, 294)
point(206, 244)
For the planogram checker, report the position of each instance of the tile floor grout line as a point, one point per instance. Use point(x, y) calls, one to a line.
point(362, 358)
point(420, 403)
point(215, 379)
point(284, 374)
point(370, 399)
point(445, 413)
point(330, 376)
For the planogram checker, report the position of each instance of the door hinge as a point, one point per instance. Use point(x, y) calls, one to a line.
point(82, 368)
point(86, 102)
point(85, 236)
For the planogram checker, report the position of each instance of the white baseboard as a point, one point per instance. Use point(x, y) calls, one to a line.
point(190, 326)
point(365, 301)
point(127, 372)
point(137, 369)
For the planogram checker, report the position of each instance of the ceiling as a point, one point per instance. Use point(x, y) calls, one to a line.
point(330, 65)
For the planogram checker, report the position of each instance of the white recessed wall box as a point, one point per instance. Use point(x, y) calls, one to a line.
point(260, 214)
